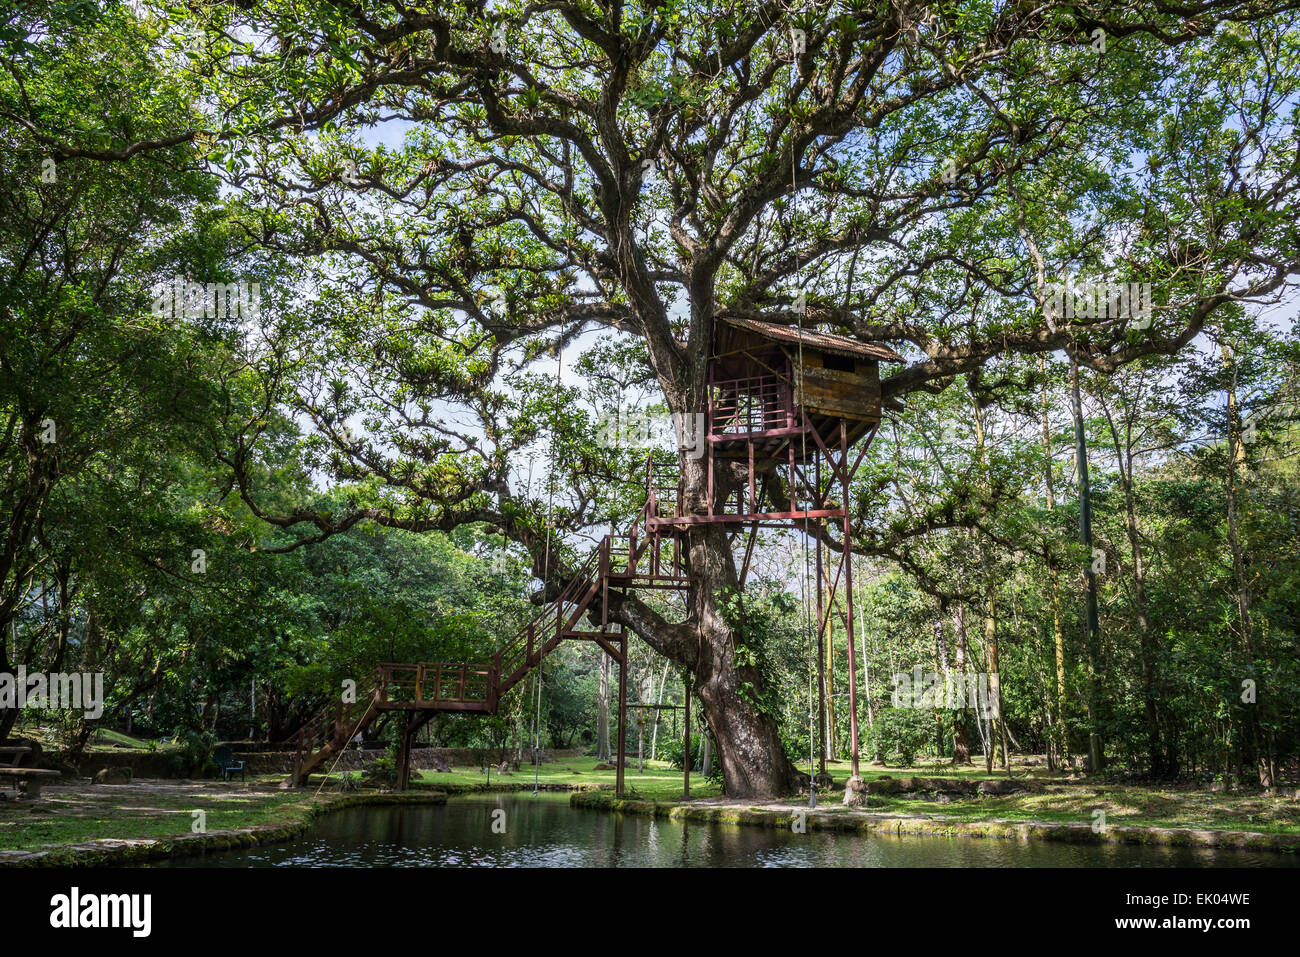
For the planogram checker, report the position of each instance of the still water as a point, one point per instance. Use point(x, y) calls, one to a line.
point(544, 831)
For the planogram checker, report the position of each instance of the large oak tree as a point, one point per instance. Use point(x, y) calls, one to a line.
point(919, 171)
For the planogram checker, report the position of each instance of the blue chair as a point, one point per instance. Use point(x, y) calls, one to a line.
point(226, 762)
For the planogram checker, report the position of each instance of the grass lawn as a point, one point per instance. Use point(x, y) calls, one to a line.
point(103, 739)
point(1122, 806)
point(73, 813)
point(68, 815)
point(657, 782)
point(1074, 802)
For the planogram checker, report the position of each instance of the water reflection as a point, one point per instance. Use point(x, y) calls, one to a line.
point(545, 832)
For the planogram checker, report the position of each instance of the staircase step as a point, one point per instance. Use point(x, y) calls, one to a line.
point(550, 628)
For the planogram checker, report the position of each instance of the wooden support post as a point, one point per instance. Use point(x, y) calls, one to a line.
point(846, 557)
point(686, 752)
point(788, 397)
point(404, 755)
point(794, 493)
point(622, 713)
point(752, 504)
point(829, 669)
point(821, 656)
point(604, 584)
point(709, 466)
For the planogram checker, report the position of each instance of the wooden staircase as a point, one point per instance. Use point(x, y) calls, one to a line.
point(423, 689)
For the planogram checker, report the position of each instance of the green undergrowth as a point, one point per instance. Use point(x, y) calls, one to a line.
point(657, 781)
point(59, 819)
point(155, 830)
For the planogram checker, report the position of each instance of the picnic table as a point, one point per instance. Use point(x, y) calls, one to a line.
point(11, 754)
point(28, 780)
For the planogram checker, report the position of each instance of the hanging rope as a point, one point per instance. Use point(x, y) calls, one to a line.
point(803, 439)
point(812, 643)
point(546, 574)
point(537, 724)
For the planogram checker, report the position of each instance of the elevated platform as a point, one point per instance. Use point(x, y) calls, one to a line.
point(779, 398)
point(418, 691)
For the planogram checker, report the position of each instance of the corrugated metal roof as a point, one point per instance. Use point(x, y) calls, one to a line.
point(812, 339)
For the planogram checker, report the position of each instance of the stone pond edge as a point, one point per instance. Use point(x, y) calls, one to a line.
point(108, 852)
point(113, 852)
point(844, 820)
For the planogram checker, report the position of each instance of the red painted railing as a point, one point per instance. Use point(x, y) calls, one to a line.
point(744, 407)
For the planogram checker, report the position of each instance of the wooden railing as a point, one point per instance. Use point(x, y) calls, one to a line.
point(742, 407)
point(333, 726)
point(527, 645)
point(432, 682)
point(478, 687)
point(654, 555)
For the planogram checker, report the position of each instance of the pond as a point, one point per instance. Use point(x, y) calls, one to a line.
point(544, 831)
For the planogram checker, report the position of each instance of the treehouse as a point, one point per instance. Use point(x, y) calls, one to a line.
point(777, 391)
point(780, 400)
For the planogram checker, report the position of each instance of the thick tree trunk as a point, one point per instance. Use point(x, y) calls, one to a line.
point(754, 762)
point(8, 718)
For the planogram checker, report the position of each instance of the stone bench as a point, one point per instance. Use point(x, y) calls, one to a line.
point(28, 780)
point(11, 754)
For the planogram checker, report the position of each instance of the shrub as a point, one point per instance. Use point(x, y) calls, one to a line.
point(193, 759)
point(382, 770)
point(671, 751)
point(899, 733)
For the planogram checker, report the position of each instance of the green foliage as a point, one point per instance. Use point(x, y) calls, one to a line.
point(192, 757)
point(765, 629)
point(352, 463)
point(673, 750)
point(900, 734)
point(382, 771)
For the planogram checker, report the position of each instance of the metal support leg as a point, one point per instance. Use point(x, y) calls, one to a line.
point(404, 757)
point(686, 753)
point(821, 656)
point(622, 713)
point(847, 558)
